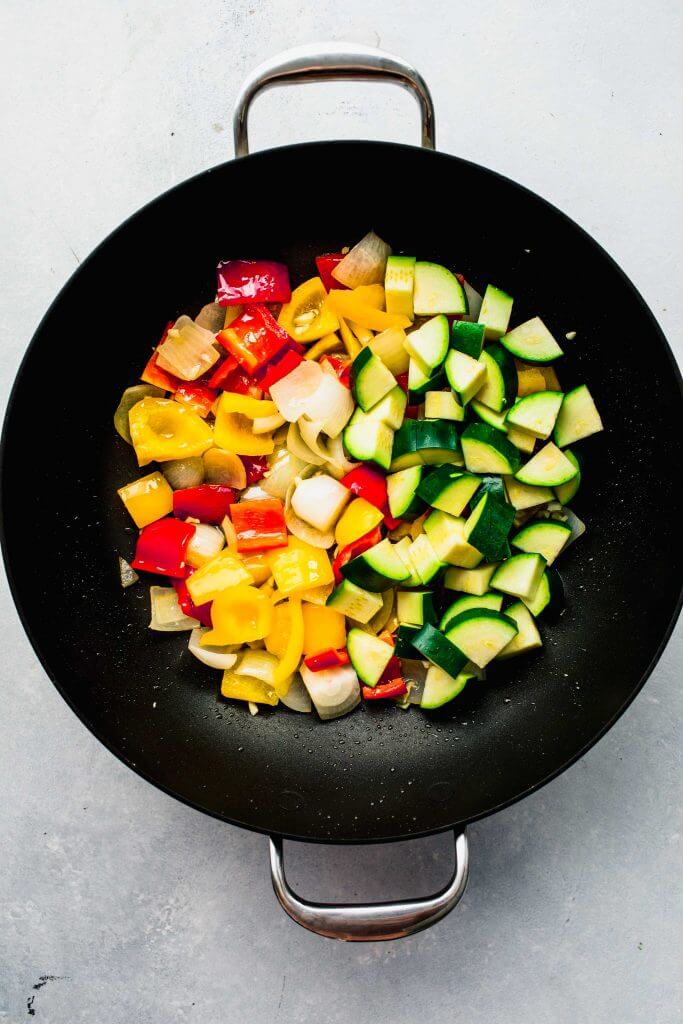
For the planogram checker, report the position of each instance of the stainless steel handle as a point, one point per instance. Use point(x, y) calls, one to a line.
point(372, 922)
point(324, 62)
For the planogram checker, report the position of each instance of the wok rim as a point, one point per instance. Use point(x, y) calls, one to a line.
point(261, 155)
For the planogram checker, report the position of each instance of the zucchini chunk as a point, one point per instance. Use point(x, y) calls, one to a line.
point(500, 385)
point(369, 440)
point(371, 379)
point(495, 311)
point(403, 492)
point(527, 637)
point(446, 534)
point(548, 601)
point(488, 527)
point(448, 489)
point(465, 375)
point(399, 283)
point(470, 581)
point(467, 337)
point(567, 492)
point(440, 687)
point(536, 413)
point(429, 343)
point(532, 342)
point(578, 417)
point(443, 405)
point(369, 655)
point(547, 468)
point(545, 536)
point(492, 602)
point(377, 569)
point(355, 602)
point(486, 450)
point(415, 607)
point(437, 290)
point(481, 634)
point(435, 647)
point(521, 496)
point(519, 575)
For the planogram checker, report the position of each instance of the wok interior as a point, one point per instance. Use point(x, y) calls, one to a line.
point(380, 773)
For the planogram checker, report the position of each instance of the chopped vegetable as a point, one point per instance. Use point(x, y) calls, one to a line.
point(167, 615)
point(327, 659)
point(306, 317)
point(259, 524)
point(242, 281)
point(215, 657)
point(365, 264)
point(182, 473)
point(221, 467)
point(319, 501)
point(208, 503)
point(254, 338)
point(197, 397)
point(161, 547)
point(204, 545)
point(324, 629)
point(233, 427)
point(129, 398)
point(358, 520)
point(188, 351)
point(350, 306)
point(147, 499)
point(222, 573)
point(162, 429)
point(299, 567)
point(239, 615)
point(201, 612)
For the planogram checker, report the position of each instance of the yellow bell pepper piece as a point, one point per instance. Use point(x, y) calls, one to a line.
point(351, 342)
point(358, 519)
point(291, 656)
point(307, 317)
point(362, 333)
point(529, 380)
point(276, 641)
point(247, 688)
point(372, 294)
point(225, 571)
point(257, 566)
point(238, 616)
point(327, 344)
point(233, 429)
point(324, 629)
point(300, 566)
point(162, 429)
point(347, 304)
point(147, 499)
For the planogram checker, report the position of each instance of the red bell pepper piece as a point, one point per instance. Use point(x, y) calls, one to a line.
point(402, 381)
point(412, 412)
point(252, 281)
point(367, 483)
point(201, 612)
point(327, 659)
point(153, 374)
point(357, 547)
point(209, 503)
point(196, 396)
point(229, 376)
point(394, 688)
point(259, 524)
point(254, 338)
point(341, 366)
point(394, 670)
point(256, 467)
point(161, 548)
point(279, 367)
point(326, 264)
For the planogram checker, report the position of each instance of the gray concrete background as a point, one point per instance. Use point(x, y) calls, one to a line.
point(119, 905)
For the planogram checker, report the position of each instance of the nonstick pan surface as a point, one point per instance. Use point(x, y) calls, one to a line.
point(379, 773)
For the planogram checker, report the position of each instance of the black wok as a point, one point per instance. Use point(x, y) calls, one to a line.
point(379, 774)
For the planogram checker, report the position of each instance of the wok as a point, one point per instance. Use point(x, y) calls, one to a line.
point(379, 774)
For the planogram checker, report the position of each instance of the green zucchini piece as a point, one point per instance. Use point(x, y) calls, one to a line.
point(369, 440)
point(578, 417)
point(488, 526)
point(486, 450)
point(376, 569)
point(443, 405)
point(467, 337)
point(415, 607)
point(519, 575)
point(494, 485)
point(358, 604)
point(440, 687)
point(548, 601)
point(536, 414)
point(521, 496)
point(470, 581)
point(402, 549)
point(465, 375)
point(532, 342)
point(371, 379)
point(428, 344)
point(437, 290)
point(402, 492)
point(425, 559)
point(448, 489)
point(434, 646)
point(492, 602)
point(415, 439)
point(499, 389)
point(389, 410)
point(546, 536)
point(521, 439)
point(495, 311)
point(420, 380)
point(549, 467)
point(369, 655)
point(481, 634)
point(403, 642)
point(399, 284)
point(567, 492)
point(446, 534)
point(527, 637)
point(486, 415)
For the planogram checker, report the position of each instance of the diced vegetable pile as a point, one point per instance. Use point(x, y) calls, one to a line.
point(362, 484)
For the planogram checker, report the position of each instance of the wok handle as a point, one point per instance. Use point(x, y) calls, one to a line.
point(324, 62)
point(372, 922)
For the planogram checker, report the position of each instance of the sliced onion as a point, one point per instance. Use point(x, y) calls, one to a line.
point(302, 530)
point(292, 393)
point(253, 708)
point(182, 473)
point(474, 301)
point(188, 350)
point(284, 468)
point(298, 447)
point(329, 449)
point(205, 543)
point(211, 317)
point(229, 532)
point(127, 573)
point(226, 468)
point(258, 664)
point(331, 405)
point(254, 493)
point(414, 676)
point(578, 527)
point(267, 424)
point(337, 462)
point(214, 657)
point(334, 691)
point(297, 697)
point(319, 501)
point(167, 615)
point(366, 263)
